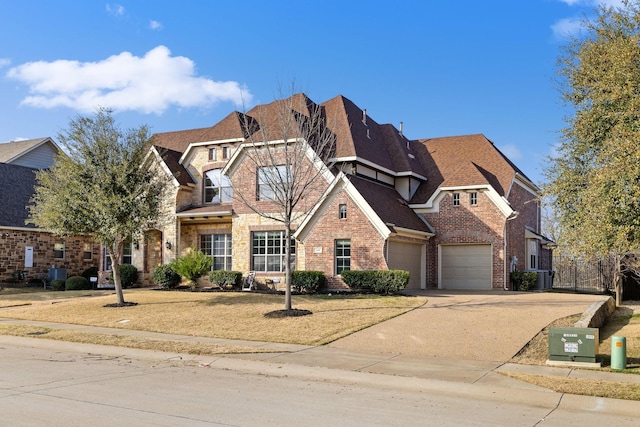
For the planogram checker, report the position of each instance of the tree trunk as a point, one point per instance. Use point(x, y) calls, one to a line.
point(115, 255)
point(287, 266)
point(617, 284)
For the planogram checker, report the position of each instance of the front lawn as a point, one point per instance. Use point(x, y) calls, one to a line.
point(230, 315)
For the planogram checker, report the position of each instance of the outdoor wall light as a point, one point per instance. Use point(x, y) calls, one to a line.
point(136, 245)
point(167, 245)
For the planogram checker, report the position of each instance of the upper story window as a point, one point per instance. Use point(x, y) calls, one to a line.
point(271, 180)
point(342, 212)
point(217, 187)
point(58, 250)
point(212, 154)
point(456, 199)
point(226, 152)
point(473, 199)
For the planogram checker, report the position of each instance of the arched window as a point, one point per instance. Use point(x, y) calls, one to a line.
point(217, 187)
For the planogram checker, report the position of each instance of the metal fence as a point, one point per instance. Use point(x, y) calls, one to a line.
point(588, 276)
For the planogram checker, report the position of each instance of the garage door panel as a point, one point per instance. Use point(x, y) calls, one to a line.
point(465, 266)
point(407, 256)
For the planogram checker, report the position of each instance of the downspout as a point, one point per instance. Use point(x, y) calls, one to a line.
point(513, 215)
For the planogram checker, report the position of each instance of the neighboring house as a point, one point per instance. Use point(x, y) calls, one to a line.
point(23, 247)
point(454, 212)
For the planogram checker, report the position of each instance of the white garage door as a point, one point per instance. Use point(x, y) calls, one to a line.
point(465, 266)
point(407, 256)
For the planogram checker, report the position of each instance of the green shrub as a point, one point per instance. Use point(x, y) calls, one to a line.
point(308, 281)
point(165, 277)
point(385, 282)
point(523, 280)
point(58, 285)
point(77, 283)
point(226, 279)
point(128, 275)
point(90, 272)
point(192, 266)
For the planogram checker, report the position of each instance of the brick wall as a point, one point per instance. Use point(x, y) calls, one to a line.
point(483, 223)
point(525, 203)
point(367, 246)
point(12, 253)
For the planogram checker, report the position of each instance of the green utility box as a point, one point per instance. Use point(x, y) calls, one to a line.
point(574, 344)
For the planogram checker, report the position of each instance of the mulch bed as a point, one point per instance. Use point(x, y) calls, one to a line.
point(294, 312)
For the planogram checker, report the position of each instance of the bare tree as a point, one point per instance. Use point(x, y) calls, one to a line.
point(289, 149)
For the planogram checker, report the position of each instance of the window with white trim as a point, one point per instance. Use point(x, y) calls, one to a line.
point(271, 182)
point(473, 198)
point(268, 251)
point(456, 199)
point(217, 187)
point(342, 211)
point(343, 255)
point(127, 258)
point(219, 247)
point(532, 250)
point(212, 154)
point(226, 152)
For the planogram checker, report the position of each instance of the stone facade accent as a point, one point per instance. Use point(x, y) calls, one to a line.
point(12, 254)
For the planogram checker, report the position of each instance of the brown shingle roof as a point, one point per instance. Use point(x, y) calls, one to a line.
point(467, 160)
point(171, 159)
point(388, 205)
point(227, 128)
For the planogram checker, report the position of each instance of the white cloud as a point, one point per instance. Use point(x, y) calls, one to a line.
point(593, 3)
point(511, 151)
point(155, 25)
point(566, 27)
point(148, 84)
point(115, 9)
point(569, 27)
point(4, 62)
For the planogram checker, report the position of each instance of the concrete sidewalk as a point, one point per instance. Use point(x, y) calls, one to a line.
point(424, 367)
point(443, 376)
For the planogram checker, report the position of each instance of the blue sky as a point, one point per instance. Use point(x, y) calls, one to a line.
point(445, 67)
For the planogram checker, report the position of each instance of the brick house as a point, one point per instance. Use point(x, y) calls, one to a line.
point(26, 251)
point(453, 211)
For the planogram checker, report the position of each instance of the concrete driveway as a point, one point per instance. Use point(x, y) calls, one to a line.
point(484, 326)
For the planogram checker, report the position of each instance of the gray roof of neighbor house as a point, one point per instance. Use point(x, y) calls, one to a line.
point(16, 189)
point(467, 160)
point(13, 149)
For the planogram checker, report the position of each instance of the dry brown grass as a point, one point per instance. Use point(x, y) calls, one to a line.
point(221, 315)
point(610, 389)
point(142, 343)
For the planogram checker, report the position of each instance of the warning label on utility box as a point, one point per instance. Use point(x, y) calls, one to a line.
point(571, 347)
